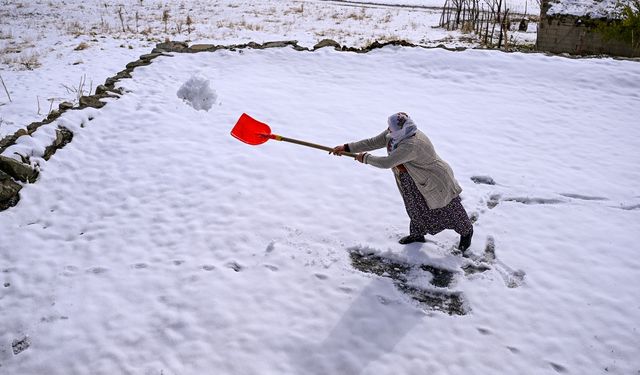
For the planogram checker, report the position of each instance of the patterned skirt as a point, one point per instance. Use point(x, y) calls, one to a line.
point(427, 221)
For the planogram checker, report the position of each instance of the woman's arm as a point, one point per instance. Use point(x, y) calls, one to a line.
point(379, 141)
point(404, 153)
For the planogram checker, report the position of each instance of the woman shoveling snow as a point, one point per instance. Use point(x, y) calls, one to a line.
point(430, 192)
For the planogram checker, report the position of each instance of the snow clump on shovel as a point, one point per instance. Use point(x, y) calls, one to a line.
point(197, 93)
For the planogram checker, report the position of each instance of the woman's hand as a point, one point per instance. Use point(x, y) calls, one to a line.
point(338, 150)
point(360, 157)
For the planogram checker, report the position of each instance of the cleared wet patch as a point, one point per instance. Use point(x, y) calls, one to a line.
point(438, 298)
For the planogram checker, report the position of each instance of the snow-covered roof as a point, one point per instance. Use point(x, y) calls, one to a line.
point(591, 8)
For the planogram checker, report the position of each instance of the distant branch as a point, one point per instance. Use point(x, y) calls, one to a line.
point(5, 88)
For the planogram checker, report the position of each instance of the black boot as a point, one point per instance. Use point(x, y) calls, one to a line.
point(411, 239)
point(465, 241)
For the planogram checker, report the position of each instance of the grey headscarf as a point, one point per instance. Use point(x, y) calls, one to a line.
point(401, 127)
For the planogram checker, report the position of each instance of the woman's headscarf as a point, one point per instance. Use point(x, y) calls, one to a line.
point(401, 127)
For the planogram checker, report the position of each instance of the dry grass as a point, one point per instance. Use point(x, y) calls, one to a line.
point(30, 61)
point(295, 10)
point(467, 27)
point(75, 28)
point(80, 89)
point(359, 16)
point(241, 25)
point(6, 34)
point(81, 46)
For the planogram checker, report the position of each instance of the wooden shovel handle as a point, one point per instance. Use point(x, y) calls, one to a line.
point(308, 144)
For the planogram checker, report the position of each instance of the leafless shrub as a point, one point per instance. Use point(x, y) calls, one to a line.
point(79, 91)
point(359, 16)
point(296, 10)
point(121, 17)
point(165, 19)
point(189, 22)
point(50, 100)
point(105, 28)
point(81, 46)
point(467, 27)
point(30, 61)
point(242, 25)
point(6, 35)
point(5, 88)
point(75, 28)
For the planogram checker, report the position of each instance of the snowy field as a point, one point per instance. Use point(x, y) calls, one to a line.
point(155, 243)
point(48, 47)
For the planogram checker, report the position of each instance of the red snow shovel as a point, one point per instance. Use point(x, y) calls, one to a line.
point(254, 132)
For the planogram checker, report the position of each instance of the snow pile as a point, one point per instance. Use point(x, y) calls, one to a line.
point(591, 8)
point(198, 93)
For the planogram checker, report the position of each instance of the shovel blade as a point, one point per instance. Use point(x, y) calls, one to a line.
point(250, 130)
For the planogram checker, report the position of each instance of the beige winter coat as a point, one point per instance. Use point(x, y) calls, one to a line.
point(432, 175)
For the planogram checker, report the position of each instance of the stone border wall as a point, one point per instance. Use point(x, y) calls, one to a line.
point(13, 173)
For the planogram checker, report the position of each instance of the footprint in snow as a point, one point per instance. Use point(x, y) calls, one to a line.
point(483, 180)
point(97, 270)
point(234, 266)
point(53, 318)
point(270, 247)
point(346, 289)
point(527, 200)
point(495, 199)
point(20, 345)
point(583, 197)
point(320, 276)
point(513, 350)
point(271, 267)
point(512, 278)
point(630, 207)
point(70, 270)
point(558, 368)
point(208, 267)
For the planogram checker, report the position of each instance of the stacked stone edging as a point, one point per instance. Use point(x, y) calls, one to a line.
point(10, 179)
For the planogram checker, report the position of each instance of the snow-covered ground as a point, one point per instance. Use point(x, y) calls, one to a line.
point(48, 47)
point(155, 243)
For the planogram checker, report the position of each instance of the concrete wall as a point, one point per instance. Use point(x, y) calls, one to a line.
point(570, 34)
